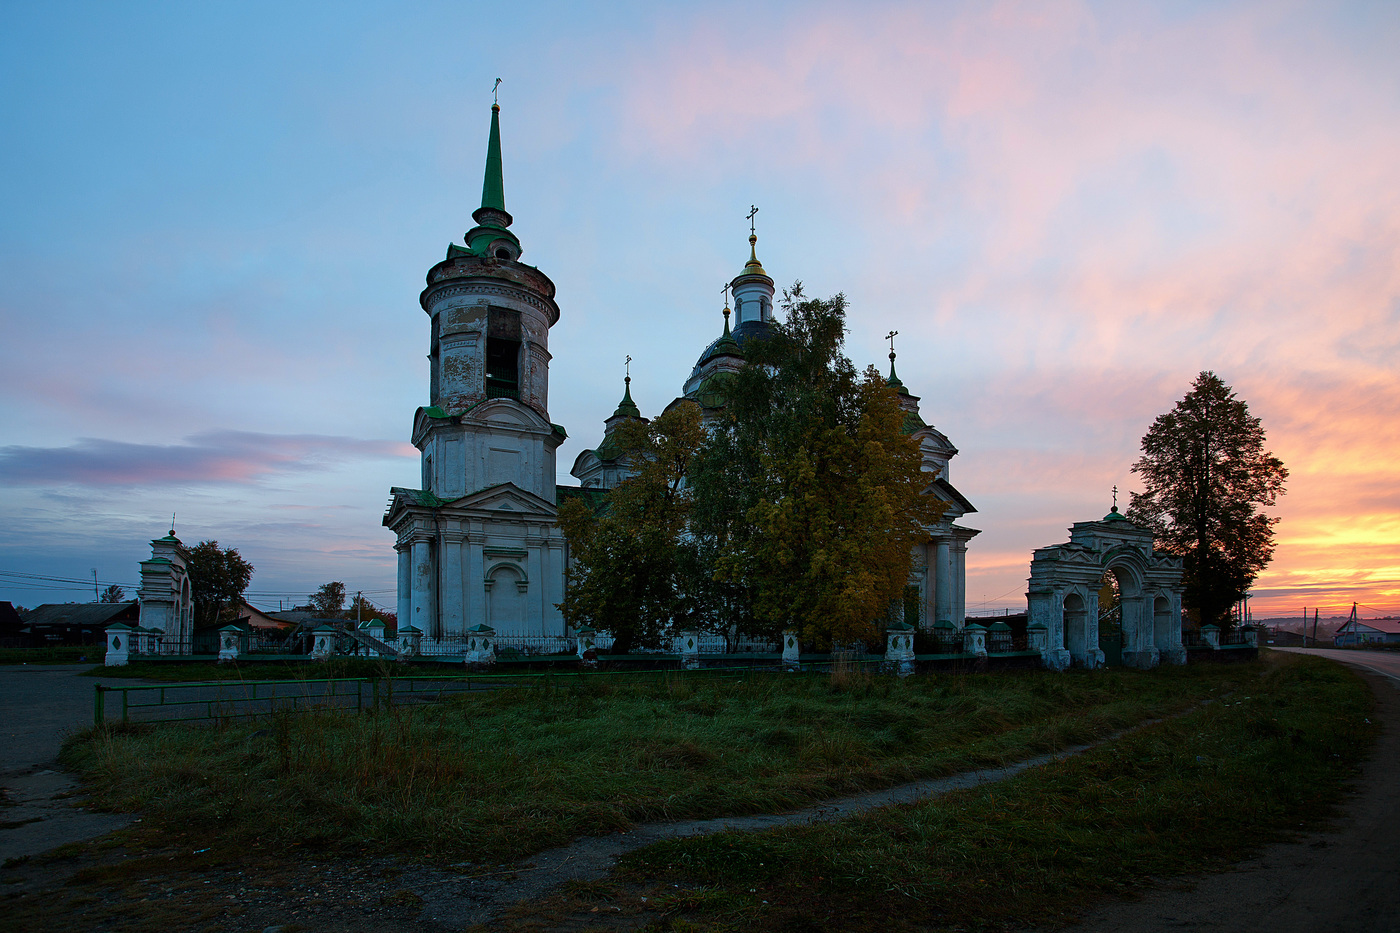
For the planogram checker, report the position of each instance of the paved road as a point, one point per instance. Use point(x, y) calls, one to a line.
point(1385, 663)
point(40, 705)
point(1342, 879)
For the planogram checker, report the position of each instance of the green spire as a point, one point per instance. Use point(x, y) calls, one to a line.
point(493, 190)
point(893, 382)
point(491, 238)
point(627, 408)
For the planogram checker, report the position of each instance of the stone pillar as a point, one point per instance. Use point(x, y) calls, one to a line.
point(792, 655)
point(410, 639)
point(943, 584)
point(481, 645)
point(118, 645)
point(1037, 637)
point(1210, 634)
point(451, 588)
point(899, 649)
point(229, 637)
point(587, 647)
point(974, 639)
point(404, 594)
point(958, 572)
point(421, 617)
point(535, 590)
point(687, 645)
point(476, 577)
point(323, 642)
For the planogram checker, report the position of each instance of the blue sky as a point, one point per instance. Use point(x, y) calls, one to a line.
point(215, 223)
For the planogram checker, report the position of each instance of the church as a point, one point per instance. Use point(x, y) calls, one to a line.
point(477, 541)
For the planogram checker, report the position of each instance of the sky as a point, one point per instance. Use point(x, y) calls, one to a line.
point(215, 220)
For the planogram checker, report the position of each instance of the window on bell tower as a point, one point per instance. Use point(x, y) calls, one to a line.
point(503, 354)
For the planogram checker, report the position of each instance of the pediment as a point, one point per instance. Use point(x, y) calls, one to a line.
point(507, 411)
point(505, 497)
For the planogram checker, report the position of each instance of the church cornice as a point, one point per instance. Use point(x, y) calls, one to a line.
point(473, 276)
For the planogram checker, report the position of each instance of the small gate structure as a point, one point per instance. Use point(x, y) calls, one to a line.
point(1063, 596)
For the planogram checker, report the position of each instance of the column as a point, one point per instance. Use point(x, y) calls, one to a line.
point(422, 593)
point(474, 582)
point(534, 591)
point(930, 588)
point(404, 603)
point(450, 590)
point(943, 584)
point(959, 573)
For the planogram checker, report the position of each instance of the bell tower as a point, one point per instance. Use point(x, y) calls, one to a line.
point(485, 507)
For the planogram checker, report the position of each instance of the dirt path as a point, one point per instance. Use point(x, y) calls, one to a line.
point(1343, 879)
point(466, 901)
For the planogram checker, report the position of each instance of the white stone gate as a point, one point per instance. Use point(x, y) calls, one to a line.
point(1063, 595)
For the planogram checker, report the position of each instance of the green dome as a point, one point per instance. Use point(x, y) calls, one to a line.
point(1115, 516)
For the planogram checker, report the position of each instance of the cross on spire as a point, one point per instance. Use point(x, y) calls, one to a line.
point(750, 215)
point(1115, 496)
point(627, 367)
point(495, 99)
point(890, 337)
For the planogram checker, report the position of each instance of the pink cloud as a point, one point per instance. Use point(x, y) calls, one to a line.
point(212, 457)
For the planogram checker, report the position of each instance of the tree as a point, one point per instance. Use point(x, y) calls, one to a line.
point(113, 594)
point(627, 573)
point(810, 488)
point(328, 601)
point(218, 577)
point(1207, 474)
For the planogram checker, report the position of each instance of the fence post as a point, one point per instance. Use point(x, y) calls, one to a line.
point(99, 705)
point(125, 695)
point(687, 645)
point(792, 651)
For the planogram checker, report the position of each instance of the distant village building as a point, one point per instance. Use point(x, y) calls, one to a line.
point(1369, 632)
point(77, 623)
point(477, 541)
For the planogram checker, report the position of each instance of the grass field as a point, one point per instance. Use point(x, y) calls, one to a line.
point(499, 775)
point(1191, 793)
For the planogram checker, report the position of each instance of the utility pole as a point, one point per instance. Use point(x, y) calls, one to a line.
point(359, 605)
point(96, 596)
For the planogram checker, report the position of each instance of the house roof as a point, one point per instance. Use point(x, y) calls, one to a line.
point(92, 615)
point(1385, 626)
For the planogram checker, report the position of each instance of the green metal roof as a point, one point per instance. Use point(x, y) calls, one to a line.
point(493, 189)
point(627, 408)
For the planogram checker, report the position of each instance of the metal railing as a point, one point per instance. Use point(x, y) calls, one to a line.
point(244, 699)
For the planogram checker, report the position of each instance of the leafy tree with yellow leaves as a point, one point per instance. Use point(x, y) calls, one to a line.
point(815, 460)
point(629, 563)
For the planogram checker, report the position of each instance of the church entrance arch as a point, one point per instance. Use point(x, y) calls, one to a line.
point(1071, 585)
point(505, 599)
point(1110, 621)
